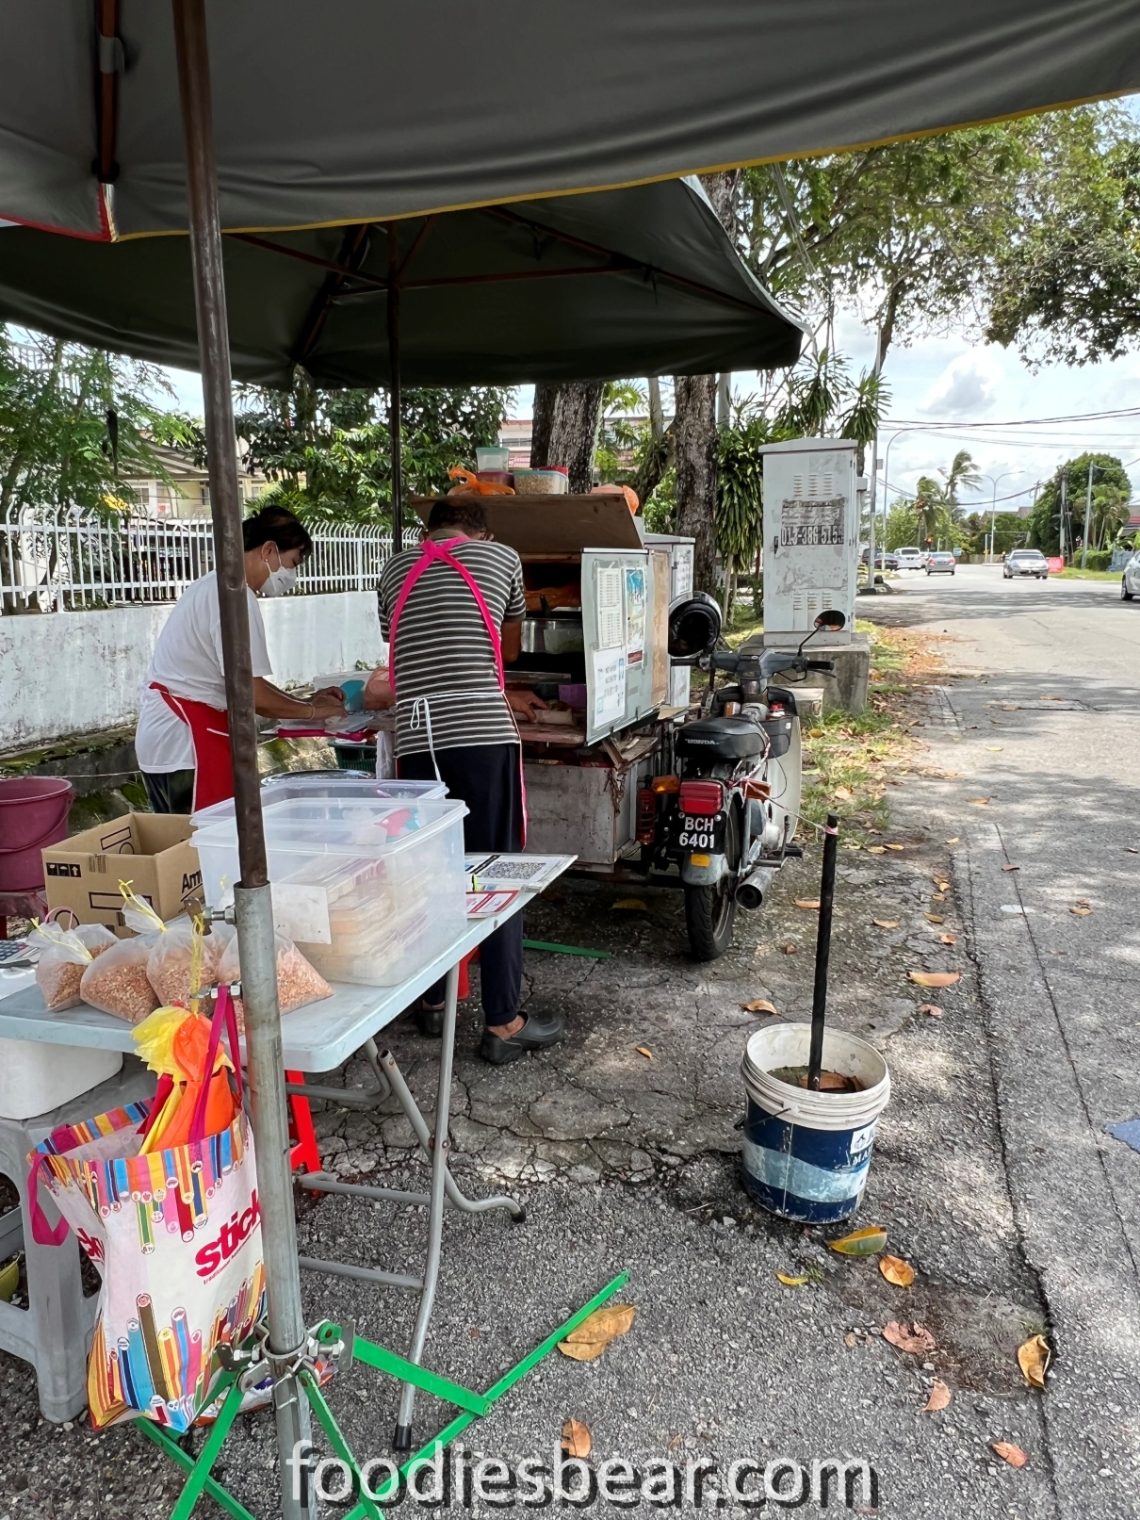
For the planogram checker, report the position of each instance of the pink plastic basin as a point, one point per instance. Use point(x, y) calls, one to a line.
point(33, 815)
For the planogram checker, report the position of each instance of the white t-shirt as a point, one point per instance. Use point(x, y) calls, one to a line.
point(187, 660)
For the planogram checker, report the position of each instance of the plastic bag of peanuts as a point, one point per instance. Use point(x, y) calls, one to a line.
point(298, 982)
point(118, 983)
point(183, 964)
point(66, 955)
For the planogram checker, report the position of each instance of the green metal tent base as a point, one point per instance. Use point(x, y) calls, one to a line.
point(471, 1405)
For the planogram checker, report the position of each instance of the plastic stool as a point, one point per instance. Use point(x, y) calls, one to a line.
point(54, 1330)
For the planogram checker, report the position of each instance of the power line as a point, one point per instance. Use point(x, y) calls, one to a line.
point(906, 422)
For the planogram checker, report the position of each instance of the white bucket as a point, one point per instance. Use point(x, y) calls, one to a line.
point(807, 1154)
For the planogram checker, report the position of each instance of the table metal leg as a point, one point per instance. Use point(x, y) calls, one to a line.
point(440, 1147)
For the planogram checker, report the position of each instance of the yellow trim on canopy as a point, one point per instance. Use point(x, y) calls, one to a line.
point(650, 179)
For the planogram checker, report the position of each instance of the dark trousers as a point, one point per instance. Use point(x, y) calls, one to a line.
point(486, 778)
point(170, 791)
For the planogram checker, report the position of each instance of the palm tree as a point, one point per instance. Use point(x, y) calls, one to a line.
point(962, 474)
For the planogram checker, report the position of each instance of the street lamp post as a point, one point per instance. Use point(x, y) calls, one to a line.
point(995, 481)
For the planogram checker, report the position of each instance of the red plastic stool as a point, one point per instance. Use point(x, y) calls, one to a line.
point(464, 974)
point(304, 1153)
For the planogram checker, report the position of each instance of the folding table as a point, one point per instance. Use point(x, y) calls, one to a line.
point(318, 1039)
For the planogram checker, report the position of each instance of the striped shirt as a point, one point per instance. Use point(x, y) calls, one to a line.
point(443, 652)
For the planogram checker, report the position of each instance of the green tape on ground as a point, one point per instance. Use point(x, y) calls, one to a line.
point(552, 949)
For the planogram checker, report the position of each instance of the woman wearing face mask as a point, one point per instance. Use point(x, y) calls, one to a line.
point(182, 742)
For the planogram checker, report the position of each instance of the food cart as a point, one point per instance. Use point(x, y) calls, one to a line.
point(595, 647)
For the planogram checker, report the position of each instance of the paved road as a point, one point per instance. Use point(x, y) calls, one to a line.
point(1046, 728)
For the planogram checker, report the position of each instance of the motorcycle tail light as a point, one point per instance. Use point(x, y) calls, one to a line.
point(702, 799)
point(666, 784)
point(646, 815)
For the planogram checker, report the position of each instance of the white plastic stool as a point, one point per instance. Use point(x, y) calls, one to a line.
point(53, 1332)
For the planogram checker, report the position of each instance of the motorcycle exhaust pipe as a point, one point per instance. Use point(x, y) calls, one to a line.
point(749, 895)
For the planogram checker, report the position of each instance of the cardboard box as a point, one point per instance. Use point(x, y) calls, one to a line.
point(150, 850)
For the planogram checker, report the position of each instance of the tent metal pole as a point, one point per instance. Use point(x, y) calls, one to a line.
point(287, 1331)
point(394, 391)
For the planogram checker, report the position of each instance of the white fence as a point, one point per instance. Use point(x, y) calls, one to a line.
point(65, 560)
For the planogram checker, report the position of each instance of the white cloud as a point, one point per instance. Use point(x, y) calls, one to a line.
point(966, 389)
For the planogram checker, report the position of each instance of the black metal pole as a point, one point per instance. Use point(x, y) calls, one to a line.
point(253, 901)
point(823, 950)
point(394, 390)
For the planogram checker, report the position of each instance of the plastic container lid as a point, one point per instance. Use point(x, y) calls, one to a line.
point(300, 785)
point(352, 826)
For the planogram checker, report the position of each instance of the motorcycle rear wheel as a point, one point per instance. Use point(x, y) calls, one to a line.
point(710, 912)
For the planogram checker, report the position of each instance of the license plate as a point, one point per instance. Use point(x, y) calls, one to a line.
point(701, 833)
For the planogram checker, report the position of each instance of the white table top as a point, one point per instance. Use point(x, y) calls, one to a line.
point(316, 1038)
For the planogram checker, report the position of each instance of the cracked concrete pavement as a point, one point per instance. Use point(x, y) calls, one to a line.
point(987, 1176)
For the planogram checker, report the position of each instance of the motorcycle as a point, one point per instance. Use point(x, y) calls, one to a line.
point(729, 814)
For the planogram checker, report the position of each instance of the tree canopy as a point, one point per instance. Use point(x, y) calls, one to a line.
point(1060, 509)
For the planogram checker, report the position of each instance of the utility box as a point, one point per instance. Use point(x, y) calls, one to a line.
point(811, 537)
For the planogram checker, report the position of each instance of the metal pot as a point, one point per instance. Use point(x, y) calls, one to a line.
point(553, 635)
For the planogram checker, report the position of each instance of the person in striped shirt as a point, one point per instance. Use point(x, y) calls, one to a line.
point(452, 611)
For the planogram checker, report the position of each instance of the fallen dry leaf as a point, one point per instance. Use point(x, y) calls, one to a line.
point(896, 1271)
point(644, 1050)
point(807, 902)
point(632, 905)
point(867, 1242)
point(943, 886)
point(850, 1340)
point(895, 847)
point(841, 794)
point(995, 748)
point(947, 939)
point(1033, 1357)
point(759, 1005)
point(934, 918)
point(790, 948)
point(593, 1335)
point(1131, 850)
point(1080, 912)
point(935, 978)
point(980, 801)
point(931, 1010)
point(876, 849)
point(885, 923)
point(954, 840)
point(1009, 1453)
point(789, 1281)
point(576, 1439)
point(910, 1337)
point(1011, 868)
point(939, 1398)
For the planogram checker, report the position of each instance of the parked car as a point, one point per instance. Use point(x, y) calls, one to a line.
point(941, 562)
point(910, 558)
point(1019, 562)
point(1130, 580)
point(884, 559)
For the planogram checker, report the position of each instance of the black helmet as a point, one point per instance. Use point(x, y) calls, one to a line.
point(694, 627)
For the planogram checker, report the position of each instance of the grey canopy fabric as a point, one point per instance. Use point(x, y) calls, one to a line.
point(363, 110)
point(639, 281)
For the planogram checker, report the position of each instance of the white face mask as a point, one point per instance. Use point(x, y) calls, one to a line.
point(279, 582)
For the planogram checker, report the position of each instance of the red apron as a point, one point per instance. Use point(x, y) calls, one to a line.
point(210, 735)
point(438, 553)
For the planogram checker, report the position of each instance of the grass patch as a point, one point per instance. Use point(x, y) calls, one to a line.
point(850, 757)
point(1075, 573)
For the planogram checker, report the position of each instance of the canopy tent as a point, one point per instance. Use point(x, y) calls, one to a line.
point(642, 281)
point(354, 110)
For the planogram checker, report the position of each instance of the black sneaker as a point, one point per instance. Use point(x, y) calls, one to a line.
point(540, 1031)
point(429, 1021)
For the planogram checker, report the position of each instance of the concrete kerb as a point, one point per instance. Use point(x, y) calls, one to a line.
point(1070, 1230)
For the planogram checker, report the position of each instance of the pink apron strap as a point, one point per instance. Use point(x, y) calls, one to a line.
point(435, 552)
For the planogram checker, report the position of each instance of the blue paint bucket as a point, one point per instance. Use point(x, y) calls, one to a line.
point(807, 1154)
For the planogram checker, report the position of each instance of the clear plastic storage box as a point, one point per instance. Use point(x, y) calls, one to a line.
point(371, 889)
point(301, 785)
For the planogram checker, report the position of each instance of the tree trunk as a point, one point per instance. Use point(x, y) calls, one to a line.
point(565, 430)
point(696, 431)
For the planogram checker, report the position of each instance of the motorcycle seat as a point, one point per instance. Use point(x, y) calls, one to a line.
point(722, 739)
